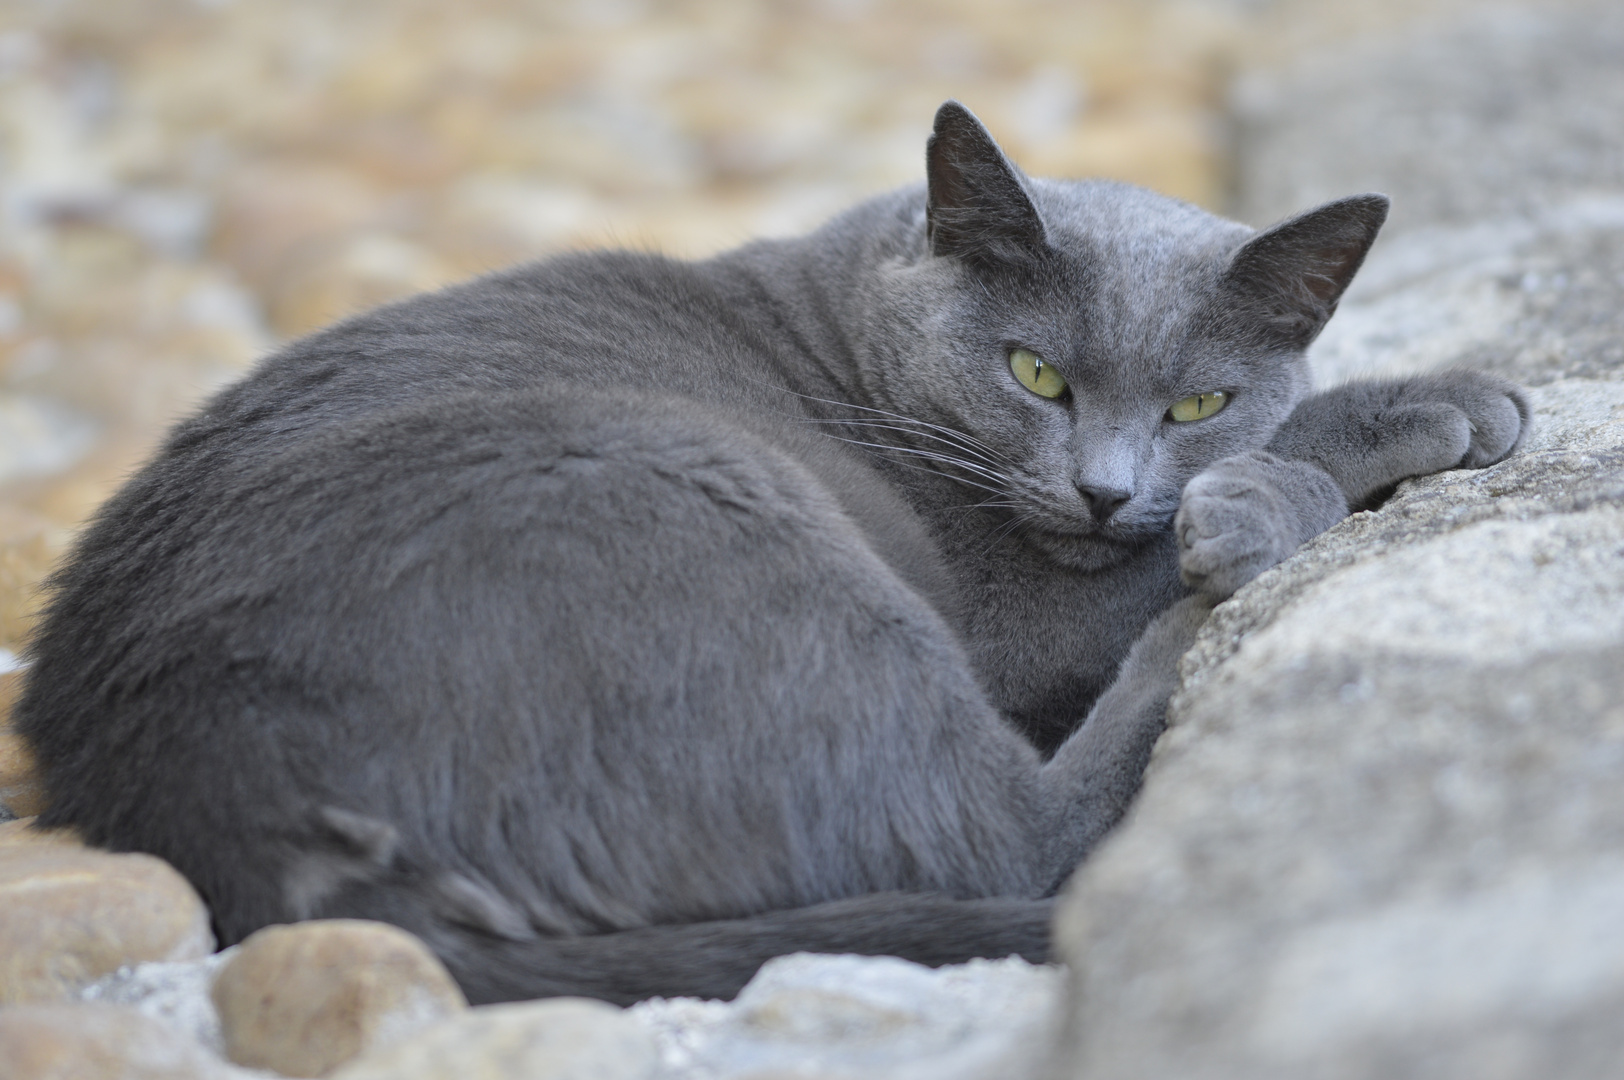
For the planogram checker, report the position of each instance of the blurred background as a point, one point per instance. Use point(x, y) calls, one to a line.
point(186, 183)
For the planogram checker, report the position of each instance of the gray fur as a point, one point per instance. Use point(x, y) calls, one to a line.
point(616, 623)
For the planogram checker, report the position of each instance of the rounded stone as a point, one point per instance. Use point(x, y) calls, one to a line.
point(558, 1039)
point(70, 914)
point(22, 833)
point(304, 999)
point(20, 789)
point(96, 1042)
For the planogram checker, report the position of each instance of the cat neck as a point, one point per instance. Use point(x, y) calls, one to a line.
point(818, 299)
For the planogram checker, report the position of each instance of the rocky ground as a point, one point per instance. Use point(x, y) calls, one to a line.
point(1381, 836)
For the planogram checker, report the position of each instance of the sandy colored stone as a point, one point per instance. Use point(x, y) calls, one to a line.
point(96, 1042)
point(21, 833)
point(26, 554)
point(69, 915)
point(20, 789)
point(306, 998)
point(558, 1039)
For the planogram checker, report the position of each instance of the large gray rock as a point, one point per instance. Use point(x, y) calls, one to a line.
point(1503, 111)
point(1384, 834)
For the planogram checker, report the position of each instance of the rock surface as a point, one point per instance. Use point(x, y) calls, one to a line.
point(69, 915)
point(98, 1042)
point(864, 1018)
point(1382, 836)
point(852, 1018)
point(175, 993)
point(21, 793)
point(1503, 110)
point(558, 1039)
point(306, 998)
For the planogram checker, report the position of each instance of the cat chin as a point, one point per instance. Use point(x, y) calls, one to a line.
point(1088, 550)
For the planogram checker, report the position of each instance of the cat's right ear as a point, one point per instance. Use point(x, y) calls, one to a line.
point(1291, 276)
point(978, 208)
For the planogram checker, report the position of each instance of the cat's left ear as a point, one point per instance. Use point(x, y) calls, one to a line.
point(1292, 275)
point(978, 208)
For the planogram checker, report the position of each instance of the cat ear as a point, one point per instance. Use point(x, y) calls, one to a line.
point(978, 208)
point(1293, 274)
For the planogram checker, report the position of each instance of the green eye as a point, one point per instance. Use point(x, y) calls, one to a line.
point(1198, 406)
point(1035, 375)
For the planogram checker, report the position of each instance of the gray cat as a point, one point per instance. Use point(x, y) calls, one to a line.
point(615, 623)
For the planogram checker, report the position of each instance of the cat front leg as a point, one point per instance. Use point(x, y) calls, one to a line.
point(1370, 435)
point(1340, 449)
point(1087, 786)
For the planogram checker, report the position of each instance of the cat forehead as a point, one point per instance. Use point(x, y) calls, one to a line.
point(1133, 227)
point(1142, 266)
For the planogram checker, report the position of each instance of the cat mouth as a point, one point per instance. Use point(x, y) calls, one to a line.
point(1080, 525)
point(1076, 526)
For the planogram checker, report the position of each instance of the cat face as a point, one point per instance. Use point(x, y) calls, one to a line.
point(1100, 344)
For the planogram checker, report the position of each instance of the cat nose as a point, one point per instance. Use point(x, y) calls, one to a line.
point(1103, 501)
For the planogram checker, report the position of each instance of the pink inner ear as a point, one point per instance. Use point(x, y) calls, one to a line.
point(1296, 271)
point(1323, 281)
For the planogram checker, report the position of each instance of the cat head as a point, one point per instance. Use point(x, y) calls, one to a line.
point(1102, 342)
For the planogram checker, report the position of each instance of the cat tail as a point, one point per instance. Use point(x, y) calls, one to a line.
point(712, 959)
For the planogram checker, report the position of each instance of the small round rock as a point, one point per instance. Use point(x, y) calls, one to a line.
point(556, 1039)
point(23, 832)
point(96, 1042)
point(70, 914)
point(305, 998)
point(21, 790)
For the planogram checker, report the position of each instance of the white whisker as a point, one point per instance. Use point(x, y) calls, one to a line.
point(882, 425)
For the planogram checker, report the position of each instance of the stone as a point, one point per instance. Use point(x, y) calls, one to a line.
point(21, 791)
point(176, 993)
point(1499, 112)
point(98, 1042)
point(861, 1017)
point(23, 831)
point(28, 544)
point(70, 914)
point(556, 1039)
point(304, 999)
point(1380, 837)
point(805, 1015)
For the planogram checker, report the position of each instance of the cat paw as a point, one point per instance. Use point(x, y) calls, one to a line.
point(1495, 411)
point(1371, 435)
point(1246, 513)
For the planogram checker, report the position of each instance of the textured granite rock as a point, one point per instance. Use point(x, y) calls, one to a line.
point(1499, 112)
point(307, 998)
point(1384, 834)
point(807, 1016)
point(557, 1039)
point(864, 1018)
point(175, 993)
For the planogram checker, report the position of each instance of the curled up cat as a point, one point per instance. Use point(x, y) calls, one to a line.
point(615, 623)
